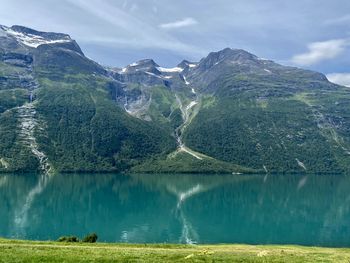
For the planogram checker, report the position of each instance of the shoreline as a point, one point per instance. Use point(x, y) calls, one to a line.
point(179, 172)
point(50, 251)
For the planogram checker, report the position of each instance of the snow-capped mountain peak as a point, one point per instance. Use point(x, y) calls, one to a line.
point(32, 38)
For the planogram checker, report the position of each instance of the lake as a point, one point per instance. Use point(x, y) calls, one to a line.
point(173, 208)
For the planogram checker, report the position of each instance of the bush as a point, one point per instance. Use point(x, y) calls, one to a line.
point(91, 238)
point(68, 239)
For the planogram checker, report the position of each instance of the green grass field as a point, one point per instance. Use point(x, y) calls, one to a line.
point(34, 251)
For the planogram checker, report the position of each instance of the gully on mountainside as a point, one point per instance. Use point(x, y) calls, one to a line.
point(187, 116)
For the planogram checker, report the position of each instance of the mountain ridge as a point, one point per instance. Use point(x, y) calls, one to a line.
point(230, 112)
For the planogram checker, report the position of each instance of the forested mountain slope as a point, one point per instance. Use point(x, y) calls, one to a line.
point(230, 112)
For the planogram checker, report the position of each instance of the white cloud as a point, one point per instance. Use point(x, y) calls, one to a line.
point(189, 21)
point(319, 51)
point(129, 30)
point(340, 78)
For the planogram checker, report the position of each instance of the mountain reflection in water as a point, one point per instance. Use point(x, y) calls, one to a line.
point(254, 209)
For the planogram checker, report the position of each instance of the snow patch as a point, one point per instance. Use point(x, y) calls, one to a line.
point(192, 65)
point(268, 71)
point(152, 74)
point(134, 64)
point(186, 82)
point(31, 40)
point(172, 70)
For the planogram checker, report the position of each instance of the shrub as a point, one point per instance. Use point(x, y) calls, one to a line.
point(91, 238)
point(68, 239)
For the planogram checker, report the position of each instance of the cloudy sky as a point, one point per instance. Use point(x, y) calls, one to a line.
point(313, 34)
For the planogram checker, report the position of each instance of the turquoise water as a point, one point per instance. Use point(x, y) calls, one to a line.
point(253, 209)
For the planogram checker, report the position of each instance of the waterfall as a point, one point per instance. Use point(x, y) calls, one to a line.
point(186, 117)
point(28, 124)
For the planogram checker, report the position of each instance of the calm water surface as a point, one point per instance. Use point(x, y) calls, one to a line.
point(254, 209)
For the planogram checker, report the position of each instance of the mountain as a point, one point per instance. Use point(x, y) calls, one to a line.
point(57, 112)
point(230, 112)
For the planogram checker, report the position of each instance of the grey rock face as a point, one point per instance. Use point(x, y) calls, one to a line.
point(16, 59)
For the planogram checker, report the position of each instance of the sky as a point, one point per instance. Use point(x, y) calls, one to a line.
point(312, 34)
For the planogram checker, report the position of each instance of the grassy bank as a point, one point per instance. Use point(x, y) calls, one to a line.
point(33, 251)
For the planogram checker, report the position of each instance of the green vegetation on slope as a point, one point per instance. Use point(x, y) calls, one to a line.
point(13, 156)
point(32, 251)
point(164, 109)
point(12, 98)
point(182, 162)
point(252, 113)
point(260, 125)
point(87, 131)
